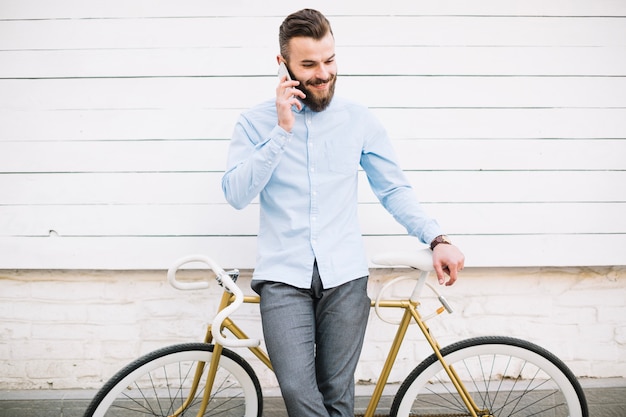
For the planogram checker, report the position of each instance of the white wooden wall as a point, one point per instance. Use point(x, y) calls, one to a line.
point(115, 116)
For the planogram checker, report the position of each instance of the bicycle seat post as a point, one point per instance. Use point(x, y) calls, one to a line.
point(419, 285)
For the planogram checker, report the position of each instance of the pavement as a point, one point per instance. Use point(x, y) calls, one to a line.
point(605, 397)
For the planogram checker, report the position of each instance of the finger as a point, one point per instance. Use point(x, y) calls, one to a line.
point(440, 274)
point(452, 272)
point(294, 92)
point(284, 86)
point(289, 83)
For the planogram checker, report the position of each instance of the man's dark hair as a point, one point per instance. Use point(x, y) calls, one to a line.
point(307, 23)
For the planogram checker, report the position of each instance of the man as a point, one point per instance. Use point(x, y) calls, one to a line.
point(300, 153)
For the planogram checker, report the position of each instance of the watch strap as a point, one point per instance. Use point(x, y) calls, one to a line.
point(438, 240)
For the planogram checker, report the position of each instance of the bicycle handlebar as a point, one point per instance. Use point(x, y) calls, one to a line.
point(421, 260)
point(225, 279)
point(179, 285)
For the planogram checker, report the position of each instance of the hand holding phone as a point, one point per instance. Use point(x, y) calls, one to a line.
point(286, 96)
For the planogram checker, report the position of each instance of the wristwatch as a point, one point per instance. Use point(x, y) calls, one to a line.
point(440, 239)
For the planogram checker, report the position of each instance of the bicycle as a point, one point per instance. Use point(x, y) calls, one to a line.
point(484, 376)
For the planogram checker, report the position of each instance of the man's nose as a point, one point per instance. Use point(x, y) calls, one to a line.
point(323, 73)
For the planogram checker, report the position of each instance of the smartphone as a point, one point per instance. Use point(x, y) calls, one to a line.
point(282, 71)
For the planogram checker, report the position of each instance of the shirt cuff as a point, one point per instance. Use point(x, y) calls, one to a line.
point(280, 136)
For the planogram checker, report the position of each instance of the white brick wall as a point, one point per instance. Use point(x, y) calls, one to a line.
point(74, 329)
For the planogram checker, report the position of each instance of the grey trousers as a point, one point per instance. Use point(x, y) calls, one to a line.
point(314, 338)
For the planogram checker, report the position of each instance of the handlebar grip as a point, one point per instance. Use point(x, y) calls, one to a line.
point(171, 273)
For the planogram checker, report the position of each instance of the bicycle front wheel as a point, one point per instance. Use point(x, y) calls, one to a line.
point(161, 384)
point(504, 377)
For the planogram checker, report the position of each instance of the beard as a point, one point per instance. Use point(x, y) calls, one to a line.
point(318, 100)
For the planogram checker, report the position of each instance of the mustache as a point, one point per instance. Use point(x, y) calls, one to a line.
point(319, 81)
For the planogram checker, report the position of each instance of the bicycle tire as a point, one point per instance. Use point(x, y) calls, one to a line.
point(157, 384)
point(507, 376)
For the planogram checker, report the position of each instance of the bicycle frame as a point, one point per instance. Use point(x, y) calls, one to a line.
point(232, 297)
point(411, 313)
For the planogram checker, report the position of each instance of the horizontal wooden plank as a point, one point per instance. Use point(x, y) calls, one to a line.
point(230, 31)
point(114, 156)
point(137, 93)
point(222, 220)
point(195, 62)
point(38, 9)
point(521, 250)
point(150, 62)
point(117, 124)
point(211, 155)
point(478, 60)
point(393, 92)
point(205, 188)
point(128, 220)
point(478, 219)
point(524, 154)
point(411, 123)
point(239, 252)
point(478, 31)
point(486, 91)
point(497, 123)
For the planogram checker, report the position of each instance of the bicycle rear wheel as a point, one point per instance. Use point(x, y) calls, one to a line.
point(159, 384)
point(505, 377)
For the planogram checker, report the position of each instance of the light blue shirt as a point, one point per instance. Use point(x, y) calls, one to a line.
point(306, 181)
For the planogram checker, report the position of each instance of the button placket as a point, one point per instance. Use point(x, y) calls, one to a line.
point(313, 180)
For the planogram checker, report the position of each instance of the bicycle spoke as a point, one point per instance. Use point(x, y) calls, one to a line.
point(450, 398)
point(172, 381)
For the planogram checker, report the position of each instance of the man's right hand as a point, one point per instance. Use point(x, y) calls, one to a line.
point(287, 96)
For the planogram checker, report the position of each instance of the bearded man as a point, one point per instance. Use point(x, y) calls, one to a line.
point(300, 153)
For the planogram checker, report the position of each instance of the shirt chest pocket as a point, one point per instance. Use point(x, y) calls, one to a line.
point(341, 157)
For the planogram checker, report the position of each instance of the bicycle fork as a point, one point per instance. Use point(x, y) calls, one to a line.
point(213, 366)
point(469, 402)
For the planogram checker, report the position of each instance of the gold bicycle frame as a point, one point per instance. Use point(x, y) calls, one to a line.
point(410, 313)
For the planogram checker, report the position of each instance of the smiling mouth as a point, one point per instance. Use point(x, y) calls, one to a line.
point(320, 84)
